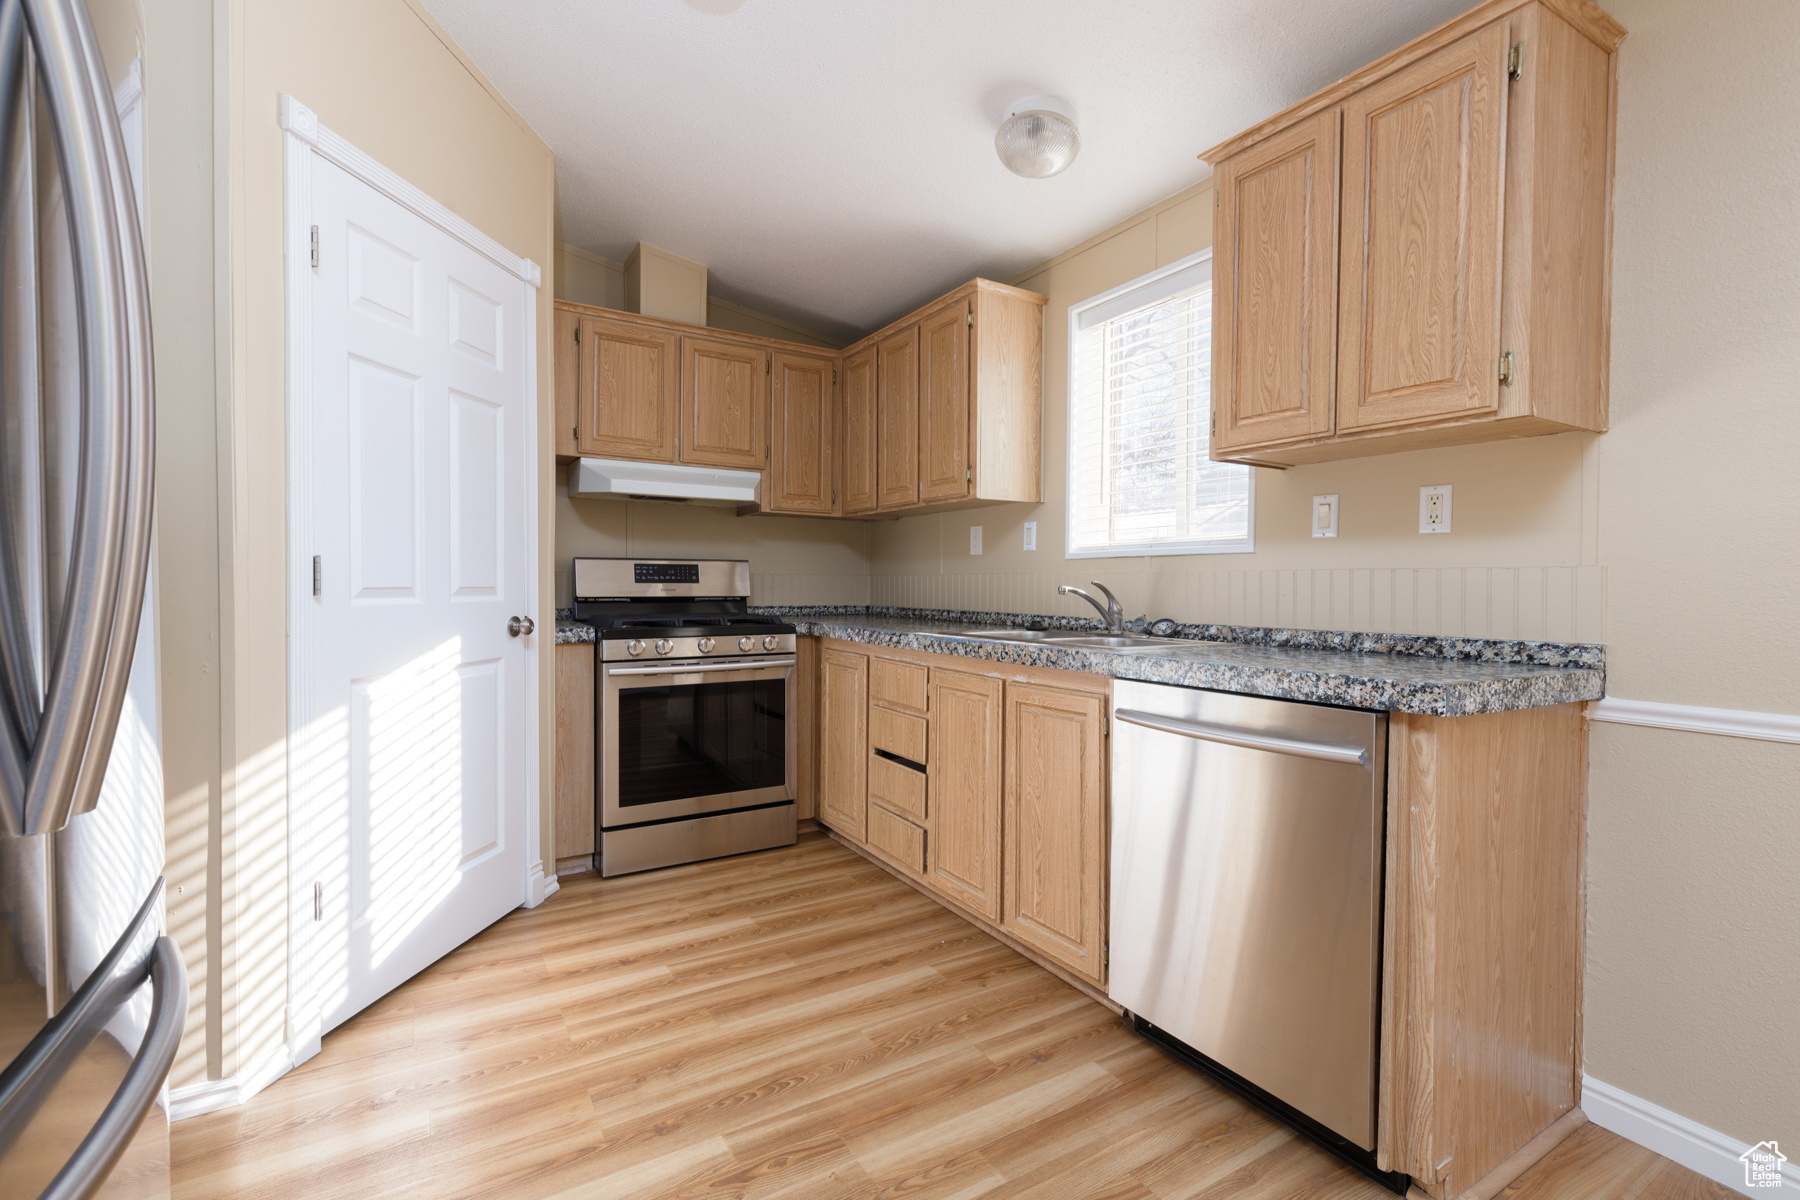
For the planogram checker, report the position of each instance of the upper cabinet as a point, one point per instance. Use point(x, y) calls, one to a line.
point(800, 476)
point(1418, 255)
point(958, 400)
point(625, 397)
point(858, 461)
point(724, 404)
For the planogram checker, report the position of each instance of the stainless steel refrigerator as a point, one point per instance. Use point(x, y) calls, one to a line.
point(93, 994)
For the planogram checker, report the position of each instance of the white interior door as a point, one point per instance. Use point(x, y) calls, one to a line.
point(420, 480)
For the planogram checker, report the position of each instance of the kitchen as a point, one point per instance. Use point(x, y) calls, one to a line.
point(944, 945)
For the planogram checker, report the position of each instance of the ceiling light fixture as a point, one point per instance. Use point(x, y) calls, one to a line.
point(1038, 138)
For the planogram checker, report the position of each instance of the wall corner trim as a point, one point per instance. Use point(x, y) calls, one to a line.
point(1692, 718)
point(200, 1098)
point(303, 123)
point(1696, 1147)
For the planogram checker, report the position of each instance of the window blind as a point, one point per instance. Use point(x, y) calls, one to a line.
point(1140, 418)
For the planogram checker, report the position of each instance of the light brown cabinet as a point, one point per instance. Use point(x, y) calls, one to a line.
point(844, 741)
point(1055, 823)
point(962, 781)
point(626, 400)
point(945, 470)
point(574, 756)
point(897, 419)
point(858, 460)
point(985, 784)
point(724, 404)
point(1418, 255)
point(801, 440)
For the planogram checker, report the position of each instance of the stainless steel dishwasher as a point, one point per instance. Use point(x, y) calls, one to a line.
point(1246, 891)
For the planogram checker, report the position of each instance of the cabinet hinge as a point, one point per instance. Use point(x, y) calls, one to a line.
point(315, 246)
point(318, 574)
point(1515, 62)
point(1506, 369)
point(768, 368)
point(318, 902)
point(578, 335)
point(971, 318)
point(968, 474)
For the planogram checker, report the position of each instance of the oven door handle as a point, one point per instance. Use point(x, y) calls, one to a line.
point(761, 664)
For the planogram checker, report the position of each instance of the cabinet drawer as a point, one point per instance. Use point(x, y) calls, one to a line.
point(899, 787)
point(896, 838)
point(897, 733)
point(897, 684)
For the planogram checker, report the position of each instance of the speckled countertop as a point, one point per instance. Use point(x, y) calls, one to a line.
point(568, 631)
point(1435, 676)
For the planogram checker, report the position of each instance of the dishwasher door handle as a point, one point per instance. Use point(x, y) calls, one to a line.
point(1246, 738)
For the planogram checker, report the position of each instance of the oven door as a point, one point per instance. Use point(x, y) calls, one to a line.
point(682, 738)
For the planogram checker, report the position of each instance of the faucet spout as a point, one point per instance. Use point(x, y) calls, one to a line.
point(1110, 612)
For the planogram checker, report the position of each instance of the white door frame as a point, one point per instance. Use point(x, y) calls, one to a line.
point(303, 139)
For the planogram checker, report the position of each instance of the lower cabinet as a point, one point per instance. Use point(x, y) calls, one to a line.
point(844, 742)
point(574, 756)
point(1055, 824)
point(962, 786)
point(983, 783)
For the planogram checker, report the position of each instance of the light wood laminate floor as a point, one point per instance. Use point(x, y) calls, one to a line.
point(789, 1024)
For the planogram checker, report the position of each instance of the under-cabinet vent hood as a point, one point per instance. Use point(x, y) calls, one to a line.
point(622, 479)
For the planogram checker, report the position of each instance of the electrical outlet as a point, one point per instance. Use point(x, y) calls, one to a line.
point(1031, 535)
point(974, 539)
point(1325, 516)
point(1434, 508)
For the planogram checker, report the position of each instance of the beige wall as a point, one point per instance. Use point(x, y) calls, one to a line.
point(380, 73)
point(793, 560)
point(1521, 562)
point(1693, 987)
point(1666, 538)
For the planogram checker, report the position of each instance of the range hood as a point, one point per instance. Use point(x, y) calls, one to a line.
point(622, 479)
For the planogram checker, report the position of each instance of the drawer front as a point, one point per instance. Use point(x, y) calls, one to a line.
point(897, 838)
point(897, 684)
point(897, 733)
point(899, 787)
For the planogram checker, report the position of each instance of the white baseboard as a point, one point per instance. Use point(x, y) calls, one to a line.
point(539, 887)
point(1693, 718)
point(1693, 1145)
point(214, 1094)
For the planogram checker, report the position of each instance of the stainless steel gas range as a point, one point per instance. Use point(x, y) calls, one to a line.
point(695, 750)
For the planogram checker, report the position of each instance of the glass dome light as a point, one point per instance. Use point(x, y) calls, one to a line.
point(1038, 138)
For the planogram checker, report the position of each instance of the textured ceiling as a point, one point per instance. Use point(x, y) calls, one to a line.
point(833, 162)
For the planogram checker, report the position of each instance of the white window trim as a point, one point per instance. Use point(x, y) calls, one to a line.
point(1245, 545)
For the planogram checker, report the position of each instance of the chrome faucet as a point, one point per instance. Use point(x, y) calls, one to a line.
point(1114, 615)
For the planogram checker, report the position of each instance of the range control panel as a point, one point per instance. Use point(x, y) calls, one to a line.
point(665, 572)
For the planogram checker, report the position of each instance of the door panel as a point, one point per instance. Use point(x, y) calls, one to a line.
point(963, 778)
point(945, 465)
point(897, 409)
point(412, 742)
point(1275, 289)
point(859, 432)
point(625, 396)
point(844, 742)
point(1055, 828)
point(724, 404)
point(801, 441)
point(1420, 308)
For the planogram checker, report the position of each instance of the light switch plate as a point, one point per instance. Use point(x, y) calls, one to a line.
point(1325, 515)
point(974, 539)
point(1031, 535)
point(1434, 508)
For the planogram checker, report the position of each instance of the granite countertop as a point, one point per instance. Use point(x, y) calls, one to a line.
point(568, 631)
point(1435, 676)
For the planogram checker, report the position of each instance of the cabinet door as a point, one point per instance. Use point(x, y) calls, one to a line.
point(626, 398)
point(1275, 289)
point(859, 432)
point(897, 419)
point(1419, 324)
point(724, 404)
point(574, 750)
point(844, 742)
point(800, 445)
point(946, 471)
point(567, 359)
point(1056, 824)
point(962, 778)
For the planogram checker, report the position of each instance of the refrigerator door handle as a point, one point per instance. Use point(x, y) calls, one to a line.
point(33, 1075)
point(100, 1150)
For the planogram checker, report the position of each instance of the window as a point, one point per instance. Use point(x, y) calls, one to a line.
point(1140, 417)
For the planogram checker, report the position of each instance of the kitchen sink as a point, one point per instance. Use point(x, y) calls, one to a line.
point(1109, 642)
point(1023, 635)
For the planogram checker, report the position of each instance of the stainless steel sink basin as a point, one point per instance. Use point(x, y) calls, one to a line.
point(1109, 642)
point(1023, 635)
